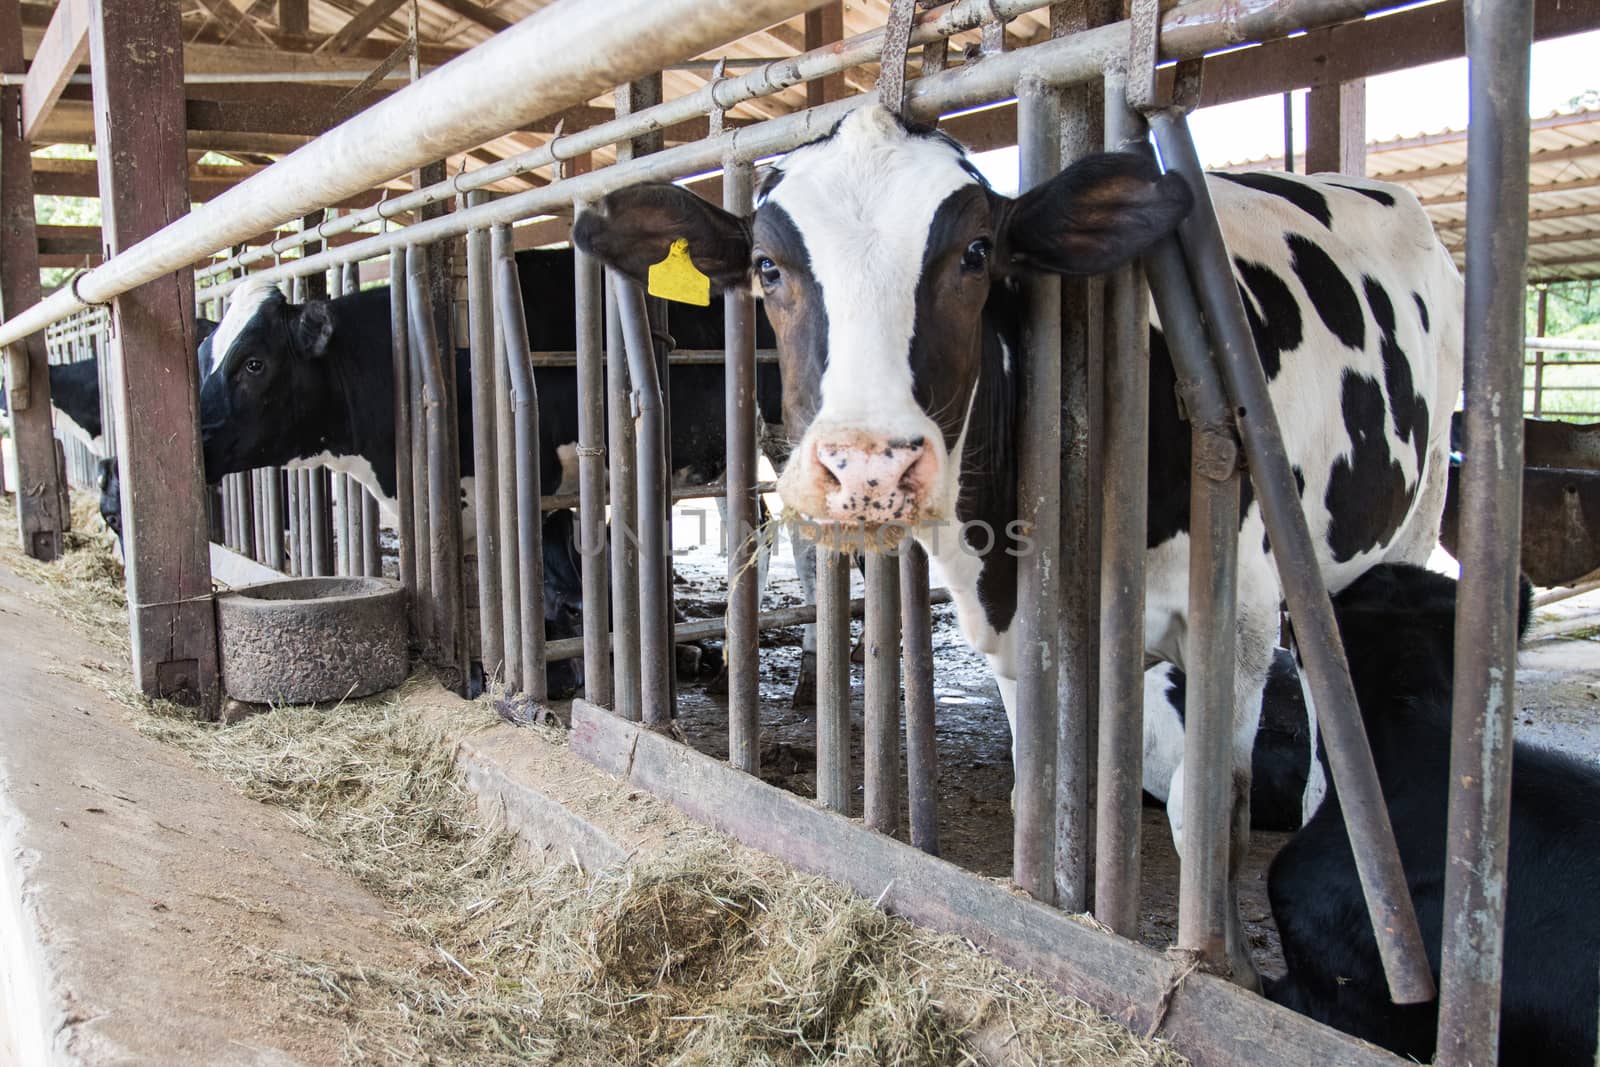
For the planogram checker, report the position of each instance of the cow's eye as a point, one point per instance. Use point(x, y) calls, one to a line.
point(768, 271)
point(976, 257)
point(254, 365)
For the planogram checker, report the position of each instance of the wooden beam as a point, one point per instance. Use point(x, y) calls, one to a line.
point(294, 18)
point(1336, 128)
point(41, 509)
point(136, 57)
point(476, 13)
point(363, 23)
point(62, 48)
point(824, 26)
point(1208, 1019)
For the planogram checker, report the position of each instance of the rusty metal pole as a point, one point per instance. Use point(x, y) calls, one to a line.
point(741, 648)
point(506, 506)
point(833, 679)
point(589, 311)
point(1039, 512)
point(881, 695)
point(480, 313)
point(1120, 780)
point(625, 664)
point(525, 413)
point(655, 642)
point(1316, 632)
point(922, 758)
point(1498, 35)
point(400, 359)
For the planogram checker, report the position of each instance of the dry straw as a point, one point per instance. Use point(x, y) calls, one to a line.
point(708, 954)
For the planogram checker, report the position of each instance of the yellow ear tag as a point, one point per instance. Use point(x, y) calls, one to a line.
point(677, 278)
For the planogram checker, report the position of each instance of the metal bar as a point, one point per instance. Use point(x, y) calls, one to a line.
point(625, 664)
point(321, 531)
point(307, 538)
point(922, 756)
point(552, 59)
point(1188, 30)
point(881, 699)
point(480, 314)
point(275, 517)
point(400, 358)
point(741, 650)
point(589, 311)
point(525, 415)
point(1498, 36)
point(1127, 442)
point(1538, 356)
point(1316, 632)
point(1039, 511)
point(444, 474)
point(371, 557)
point(779, 74)
point(833, 679)
point(506, 506)
point(655, 644)
point(422, 536)
point(341, 525)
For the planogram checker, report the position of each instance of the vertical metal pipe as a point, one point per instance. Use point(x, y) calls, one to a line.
point(302, 504)
point(1288, 132)
point(1120, 780)
point(1039, 512)
point(1539, 354)
point(355, 523)
point(506, 506)
point(480, 312)
point(922, 757)
point(655, 566)
point(400, 359)
point(321, 530)
point(371, 557)
point(741, 651)
point(1498, 35)
point(1316, 632)
point(444, 472)
point(525, 413)
point(589, 311)
point(833, 679)
point(1203, 900)
point(420, 514)
point(626, 667)
point(275, 518)
point(881, 699)
point(1082, 407)
point(341, 531)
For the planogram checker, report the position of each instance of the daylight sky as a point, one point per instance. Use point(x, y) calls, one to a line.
point(1424, 100)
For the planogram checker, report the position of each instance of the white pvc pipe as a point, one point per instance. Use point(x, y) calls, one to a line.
point(561, 56)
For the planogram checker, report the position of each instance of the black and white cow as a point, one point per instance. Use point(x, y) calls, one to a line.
point(890, 272)
point(1398, 625)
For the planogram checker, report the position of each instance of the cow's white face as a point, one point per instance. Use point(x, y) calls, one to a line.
point(842, 239)
point(876, 250)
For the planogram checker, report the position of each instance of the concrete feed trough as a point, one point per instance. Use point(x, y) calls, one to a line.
point(305, 640)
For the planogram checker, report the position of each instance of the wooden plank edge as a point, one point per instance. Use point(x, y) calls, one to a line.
point(1209, 1020)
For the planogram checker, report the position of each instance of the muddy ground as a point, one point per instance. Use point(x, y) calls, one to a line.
point(1559, 691)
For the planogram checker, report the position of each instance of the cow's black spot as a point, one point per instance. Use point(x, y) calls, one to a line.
point(1276, 326)
point(1367, 497)
point(1170, 448)
point(1409, 408)
point(1301, 195)
point(1372, 194)
point(1329, 290)
point(1178, 692)
point(1422, 311)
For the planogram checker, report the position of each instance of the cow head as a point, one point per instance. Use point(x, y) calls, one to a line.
point(267, 392)
point(876, 251)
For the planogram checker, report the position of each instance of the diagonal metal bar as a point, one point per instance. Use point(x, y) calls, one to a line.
point(1377, 859)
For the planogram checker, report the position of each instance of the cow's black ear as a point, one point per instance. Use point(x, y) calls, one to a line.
point(313, 328)
point(635, 227)
point(1094, 216)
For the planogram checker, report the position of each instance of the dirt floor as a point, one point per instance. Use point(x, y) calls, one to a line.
point(1558, 686)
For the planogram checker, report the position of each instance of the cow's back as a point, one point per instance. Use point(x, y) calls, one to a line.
point(1356, 308)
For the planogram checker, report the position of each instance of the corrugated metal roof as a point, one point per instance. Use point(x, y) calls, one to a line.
point(1563, 180)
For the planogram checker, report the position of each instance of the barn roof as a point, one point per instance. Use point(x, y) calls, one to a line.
point(1564, 189)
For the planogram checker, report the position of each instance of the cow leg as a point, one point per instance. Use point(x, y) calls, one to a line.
point(1244, 969)
point(805, 565)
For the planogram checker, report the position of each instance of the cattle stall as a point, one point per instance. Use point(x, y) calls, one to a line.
point(1098, 80)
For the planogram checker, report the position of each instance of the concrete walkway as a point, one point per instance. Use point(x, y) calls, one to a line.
point(135, 888)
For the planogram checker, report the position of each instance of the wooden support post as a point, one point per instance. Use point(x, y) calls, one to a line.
point(40, 515)
point(825, 25)
point(136, 56)
point(1336, 128)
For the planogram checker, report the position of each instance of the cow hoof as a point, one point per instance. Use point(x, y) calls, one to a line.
point(805, 686)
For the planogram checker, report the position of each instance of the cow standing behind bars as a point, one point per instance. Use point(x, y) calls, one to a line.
point(890, 272)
